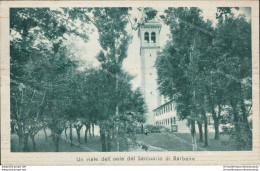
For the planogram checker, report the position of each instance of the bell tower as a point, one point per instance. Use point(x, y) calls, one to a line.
point(149, 36)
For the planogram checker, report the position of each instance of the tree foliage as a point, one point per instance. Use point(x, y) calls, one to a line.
point(206, 69)
point(48, 90)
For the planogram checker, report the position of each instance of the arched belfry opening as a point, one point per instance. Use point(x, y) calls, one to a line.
point(153, 37)
point(146, 37)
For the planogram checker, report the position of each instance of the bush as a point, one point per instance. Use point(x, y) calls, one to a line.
point(241, 139)
point(157, 129)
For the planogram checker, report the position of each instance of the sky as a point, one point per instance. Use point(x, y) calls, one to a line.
point(132, 63)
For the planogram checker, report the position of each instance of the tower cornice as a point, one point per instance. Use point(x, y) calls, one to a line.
point(150, 24)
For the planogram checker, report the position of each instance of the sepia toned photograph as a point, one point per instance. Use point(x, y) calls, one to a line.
point(73, 88)
point(139, 79)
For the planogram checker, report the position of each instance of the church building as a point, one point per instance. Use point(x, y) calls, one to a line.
point(157, 113)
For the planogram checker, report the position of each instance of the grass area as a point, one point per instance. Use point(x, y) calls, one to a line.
point(182, 142)
point(160, 141)
point(93, 144)
point(42, 145)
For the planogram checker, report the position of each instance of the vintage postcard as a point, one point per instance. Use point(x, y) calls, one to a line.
point(130, 83)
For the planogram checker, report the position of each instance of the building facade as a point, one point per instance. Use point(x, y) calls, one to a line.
point(166, 115)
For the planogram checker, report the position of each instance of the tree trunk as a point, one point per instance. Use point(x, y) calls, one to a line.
point(243, 107)
point(235, 114)
point(21, 140)
point(193, 135)
point(89, 131)
point(108, 142)
point(216, 125)
point(93, 129)
point(34, 143)
point(200, 131)
point(86, 134)
point(21, 137)
point(57, 139)
point(103, 139)
point(71, 138)
point(78, 134)
point(206, 132)
point(205, 121)
point(125, 142)
point(26, 145)
point(44, 129)
point(57, 143)
point(244, 113)
point(66, 132)
point(216, 122)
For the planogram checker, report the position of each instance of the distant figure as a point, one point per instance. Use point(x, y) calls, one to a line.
point(146, 131)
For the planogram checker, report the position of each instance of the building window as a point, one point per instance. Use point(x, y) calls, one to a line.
point(174, 120)
point(153, 37)
point(146, 37)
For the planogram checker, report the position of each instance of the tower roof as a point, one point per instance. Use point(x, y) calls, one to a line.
point(152, 22)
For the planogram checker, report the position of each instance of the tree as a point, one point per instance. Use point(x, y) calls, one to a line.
point(180, 66)
point(37, 46)
point(114, 39)
point(210, 71)
point(235, 61)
